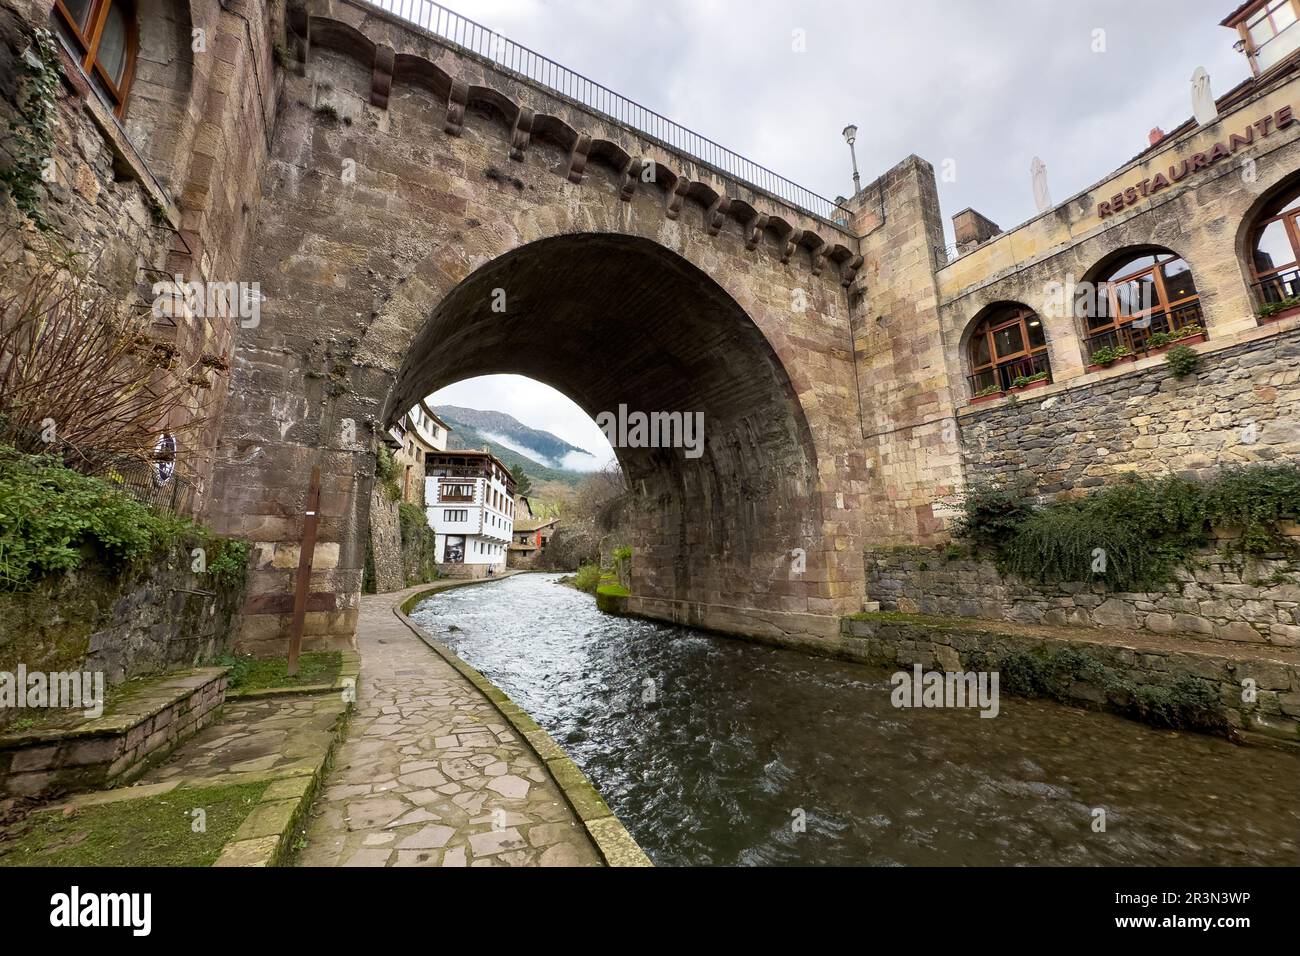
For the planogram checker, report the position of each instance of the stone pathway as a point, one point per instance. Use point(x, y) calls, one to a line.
point(430, 773)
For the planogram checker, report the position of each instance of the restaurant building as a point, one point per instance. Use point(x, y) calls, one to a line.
point(1042, 349)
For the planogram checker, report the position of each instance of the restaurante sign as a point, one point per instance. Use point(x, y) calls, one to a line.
point(1197, 161)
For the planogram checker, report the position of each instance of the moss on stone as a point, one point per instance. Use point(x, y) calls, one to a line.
point(252, 673)
point(148, 831)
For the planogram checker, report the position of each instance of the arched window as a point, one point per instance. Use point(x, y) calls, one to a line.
point(1275, 254)
point(102, 35)
point(1007, 350)
point(1147, 300)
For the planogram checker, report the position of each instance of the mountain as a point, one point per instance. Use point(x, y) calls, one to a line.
point(541, 454)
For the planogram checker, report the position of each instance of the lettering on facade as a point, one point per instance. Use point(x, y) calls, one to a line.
point(1258, 130)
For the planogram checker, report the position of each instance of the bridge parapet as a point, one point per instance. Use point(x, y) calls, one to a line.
point(402, 52)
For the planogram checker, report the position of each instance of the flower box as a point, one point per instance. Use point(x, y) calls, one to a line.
point(1124, 360)
point(1279, 316)
point(1185, 340)
point(1041, 383)
point(975, 400)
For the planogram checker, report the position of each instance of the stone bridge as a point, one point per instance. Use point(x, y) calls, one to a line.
point(414, 185)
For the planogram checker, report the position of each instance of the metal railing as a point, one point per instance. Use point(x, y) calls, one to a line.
point(152, 481)
point(996, 380)
point(1277, 292)
point(512, 57)
point(1186, 319)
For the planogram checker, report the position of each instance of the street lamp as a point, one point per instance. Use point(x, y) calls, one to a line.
point(850, 135)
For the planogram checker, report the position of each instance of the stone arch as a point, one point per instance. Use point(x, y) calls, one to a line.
point(994, 311)
point(1285, 187)
point(1092, 286)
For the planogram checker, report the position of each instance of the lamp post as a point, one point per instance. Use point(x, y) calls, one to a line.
point(850, 135)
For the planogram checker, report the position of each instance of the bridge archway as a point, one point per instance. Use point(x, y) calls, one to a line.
point(615, 322)
point(381, 239)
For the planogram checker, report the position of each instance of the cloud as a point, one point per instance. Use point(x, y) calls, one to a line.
point(987, 85)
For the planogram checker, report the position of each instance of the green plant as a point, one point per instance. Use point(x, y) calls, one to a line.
point(1270, 309)
point(1187, 331)
point(1183, 360)
point(31, 130)
point(1159, 339)
point(230, 566)
point(387, 470)
point(53, 518)
point(588, 578)
point(991, 511)
point(989, 390)
point(327, 111)
point(1020, 381)
point(1109, 354)
point(1133, 534)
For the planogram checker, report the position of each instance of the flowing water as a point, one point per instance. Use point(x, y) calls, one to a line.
point(719, 751)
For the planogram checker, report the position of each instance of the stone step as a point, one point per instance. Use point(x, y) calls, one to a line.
point(143, 721)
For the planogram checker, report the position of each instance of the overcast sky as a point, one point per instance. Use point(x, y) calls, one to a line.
point(987, 84)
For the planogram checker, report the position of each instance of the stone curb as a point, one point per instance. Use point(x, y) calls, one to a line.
point(611, 839)
point(349, 674)
point(265, 838)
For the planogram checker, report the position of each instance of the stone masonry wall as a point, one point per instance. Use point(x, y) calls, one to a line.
point(1243, 406)
point(1256, 602)
point(162, 617)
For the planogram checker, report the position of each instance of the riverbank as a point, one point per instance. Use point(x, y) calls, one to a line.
point(432, 773)
point(718, 751)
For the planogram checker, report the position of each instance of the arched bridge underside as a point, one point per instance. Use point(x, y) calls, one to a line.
point(427, 219)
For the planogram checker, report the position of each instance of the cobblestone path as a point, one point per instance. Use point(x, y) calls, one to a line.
point(430, 773)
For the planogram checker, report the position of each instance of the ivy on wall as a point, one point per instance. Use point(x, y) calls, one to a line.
point(31, 131)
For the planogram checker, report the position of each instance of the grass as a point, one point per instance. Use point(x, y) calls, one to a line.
point(259, 673)
point(613, 590)
point(150, 831)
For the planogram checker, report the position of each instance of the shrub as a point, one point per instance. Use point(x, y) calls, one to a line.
point(991, 511)
point(1108, 354)
point(1270, 309)
point(1183, 360)
point(588, 578)
point(1133, 534)
point(386, 471)
point(52, 518)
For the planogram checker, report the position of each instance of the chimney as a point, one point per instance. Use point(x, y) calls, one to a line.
point(1155, 136)
point(970, 229)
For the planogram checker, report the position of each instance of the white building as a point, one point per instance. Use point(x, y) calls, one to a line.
point(412, 438)
point(469, 498)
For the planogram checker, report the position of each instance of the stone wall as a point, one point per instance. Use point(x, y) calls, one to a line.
point(1243, 406)
point(1158, 682)
point(158, 617)
point(1256, 602)
point(386, 542)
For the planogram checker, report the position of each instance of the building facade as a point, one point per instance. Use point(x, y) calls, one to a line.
point(414, 436)
point(470, 504)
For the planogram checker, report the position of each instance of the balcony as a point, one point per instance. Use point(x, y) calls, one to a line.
point(1018, 375)
point(1148, 335)
point(1278, 295)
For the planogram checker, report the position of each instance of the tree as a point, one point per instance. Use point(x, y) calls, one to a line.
point(523, 484)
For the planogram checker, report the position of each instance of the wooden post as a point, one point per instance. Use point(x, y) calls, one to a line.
point(305, 556)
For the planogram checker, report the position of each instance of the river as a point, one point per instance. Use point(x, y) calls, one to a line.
point(717, 751)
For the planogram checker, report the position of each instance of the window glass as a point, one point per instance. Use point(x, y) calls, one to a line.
point(1034, 325)
point(1008, 341)
point(112, 45)
point(1273, 247)
point(1178, 281)
point(1283, 15)
point(1136, 295)
point(1133, 265)
point(80, 10)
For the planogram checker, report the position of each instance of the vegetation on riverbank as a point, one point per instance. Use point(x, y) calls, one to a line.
point(1136, 533)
